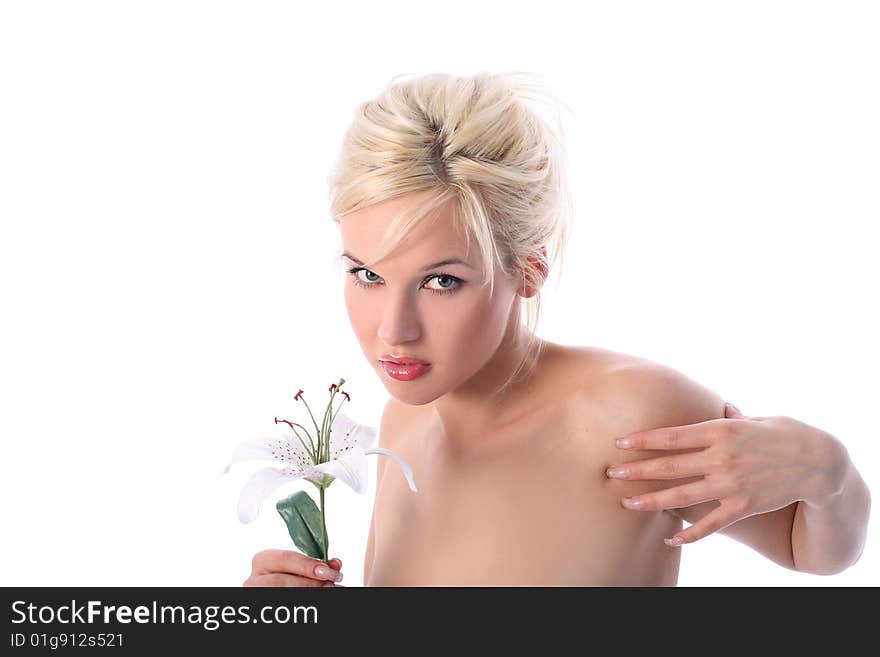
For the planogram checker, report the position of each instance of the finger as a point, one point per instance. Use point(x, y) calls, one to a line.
point(675, 497)
point(733, 412)
point(335, 563)
point(294, 563)
point(283, 579)
point(663, 467)
point(700, 434)
point(714, 521)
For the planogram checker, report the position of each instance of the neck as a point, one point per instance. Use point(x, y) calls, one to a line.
point(475, 407)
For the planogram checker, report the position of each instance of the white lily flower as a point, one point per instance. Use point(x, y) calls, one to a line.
point(349, 445)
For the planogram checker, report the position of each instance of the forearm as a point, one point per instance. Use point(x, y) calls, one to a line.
point(829, 537)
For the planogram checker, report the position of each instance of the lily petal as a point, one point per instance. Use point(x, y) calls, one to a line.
point(258, 448)
point(407, 471)
point(351, 468)
point(346, 433)
point(285, 450)
point(365, 435)
point(258, 487)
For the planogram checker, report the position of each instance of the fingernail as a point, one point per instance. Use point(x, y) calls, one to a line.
point(617, 473)
point(734, 407)
point(327, 573)
point(631, 503)
point(325, 584)
point(624, 442)
point(675, 541)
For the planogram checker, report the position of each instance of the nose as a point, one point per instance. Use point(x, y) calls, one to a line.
point(400, 322)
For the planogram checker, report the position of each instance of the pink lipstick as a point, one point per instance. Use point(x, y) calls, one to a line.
point(403, 368)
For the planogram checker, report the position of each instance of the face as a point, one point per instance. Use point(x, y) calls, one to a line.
point(404, 306)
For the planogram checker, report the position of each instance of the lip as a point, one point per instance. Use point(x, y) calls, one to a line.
point(404, 372)
point(402, 360)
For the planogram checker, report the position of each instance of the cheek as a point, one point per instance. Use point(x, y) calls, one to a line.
point(474, 324)
point(358, 311)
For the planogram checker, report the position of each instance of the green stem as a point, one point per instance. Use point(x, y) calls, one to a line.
point(317, 430)
point(325, 424)
point(333, 419)
point(324, 527)
point(324, 437)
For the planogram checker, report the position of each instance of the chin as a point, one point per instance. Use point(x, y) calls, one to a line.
point(412, 399)
point(410, 393)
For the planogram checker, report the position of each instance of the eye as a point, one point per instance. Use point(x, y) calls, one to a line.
point(356, 270)
point(448, 284)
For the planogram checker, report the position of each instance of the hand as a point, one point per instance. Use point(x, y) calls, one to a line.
point(291, 568)
point(751, 465)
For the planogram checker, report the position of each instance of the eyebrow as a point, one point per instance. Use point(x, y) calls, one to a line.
point(448, 261)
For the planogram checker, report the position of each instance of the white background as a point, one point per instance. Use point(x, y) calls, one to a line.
point(167, 256)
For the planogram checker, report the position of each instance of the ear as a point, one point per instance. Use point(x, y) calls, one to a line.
point(540, 264)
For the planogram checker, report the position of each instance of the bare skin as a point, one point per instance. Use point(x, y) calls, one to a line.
point(527, 504)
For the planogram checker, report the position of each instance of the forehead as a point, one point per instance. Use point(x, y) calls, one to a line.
point(437, 235)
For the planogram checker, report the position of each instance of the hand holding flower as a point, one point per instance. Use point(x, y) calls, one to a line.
point(290, 568)
point(339, 451)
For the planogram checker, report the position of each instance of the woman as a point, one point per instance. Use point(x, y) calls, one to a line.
point(448, 193)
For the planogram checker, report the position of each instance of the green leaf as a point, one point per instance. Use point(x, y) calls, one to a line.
point(303, 520)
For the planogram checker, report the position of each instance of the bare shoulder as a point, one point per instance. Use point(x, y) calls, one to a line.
point(618, 394)
point(625, 394)
point(658, 395)
point(388, 429)
point(394, 415)
point(629, 395)
point(388, 424)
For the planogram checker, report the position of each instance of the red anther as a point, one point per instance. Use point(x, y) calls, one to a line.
point(347, 398)
point(332, 387)
point(297, 395)
point(288, 422)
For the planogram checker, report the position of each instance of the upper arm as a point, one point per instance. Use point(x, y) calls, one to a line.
point(384, 433)
point(664, 397)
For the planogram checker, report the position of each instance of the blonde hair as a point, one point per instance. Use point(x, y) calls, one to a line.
point(477, 143)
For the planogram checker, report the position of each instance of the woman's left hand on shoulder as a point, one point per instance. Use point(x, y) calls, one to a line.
point(751, 465)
